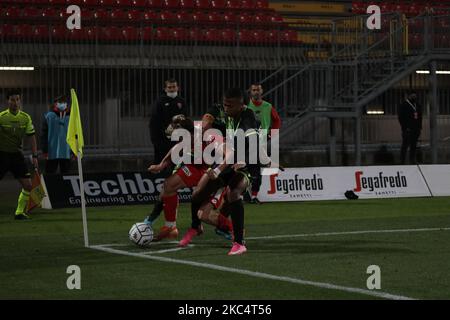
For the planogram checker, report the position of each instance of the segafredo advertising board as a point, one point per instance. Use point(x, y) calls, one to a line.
point(331, 183)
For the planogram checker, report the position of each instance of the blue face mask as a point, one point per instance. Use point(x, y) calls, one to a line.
point(61, 106)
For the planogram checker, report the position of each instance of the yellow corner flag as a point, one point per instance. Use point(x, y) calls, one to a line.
point(75, 131)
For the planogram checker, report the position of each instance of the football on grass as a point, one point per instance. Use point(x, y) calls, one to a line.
point(141, 234)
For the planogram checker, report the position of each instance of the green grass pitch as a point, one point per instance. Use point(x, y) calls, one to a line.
point(415, 264)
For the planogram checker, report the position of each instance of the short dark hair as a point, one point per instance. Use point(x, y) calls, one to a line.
point(233, 93)
point(12, 92)
point(256, 84)
point(187, 124)
point(171, 80)
point(61, 98)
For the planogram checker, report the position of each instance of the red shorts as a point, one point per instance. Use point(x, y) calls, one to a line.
point(191, 174)
point(218, 198)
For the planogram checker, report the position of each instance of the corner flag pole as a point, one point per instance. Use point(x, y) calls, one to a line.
point(83, 199)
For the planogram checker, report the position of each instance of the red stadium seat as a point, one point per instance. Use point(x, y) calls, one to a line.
point(110, 33)
point(214, 17)
point(91, 33)
point(150, 16)
point(101, 14)
point(134, 15)
point(12, 13)
point(244, 18)
point(273, 36)
point(77, 34)
point(229, 35)
point(130, 34)
point(202, 4)
point(118, 14)
point(213, 35)
point(261, 18)
point(245, 36)
point(219, 4)
point(183, 16)
point(124, 3)
point(180, 34)
point(87, 14)
point(59, 32)
point(90, 2)
point(50, 13)
point(53, 2)
point(199, 17)
point(31, 13)
point(262, 4)
point(234, 4)
point(167, 16)
point(139, 3)
point(171, 4)
point(41, 32)
point(275, 18)
point(106, 3)
point(248, 4)
point(163, 34)
point(187, 4)
point(155, 3)
point(24, 31)
point(289, 36)
point(196, 34)
point(147, 33)
point(6, 31)
point(259, 36)
point(229, 17)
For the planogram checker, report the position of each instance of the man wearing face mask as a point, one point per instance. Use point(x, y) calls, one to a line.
point(53, 137)
point(268, 118)
point(410, 118)
point(170, 104)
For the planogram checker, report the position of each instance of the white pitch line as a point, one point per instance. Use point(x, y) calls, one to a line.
point(323, 285)
point(169, 250)
point(345, 233)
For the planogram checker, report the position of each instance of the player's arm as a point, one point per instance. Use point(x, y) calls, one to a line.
point(31, 134)
point(276, 120)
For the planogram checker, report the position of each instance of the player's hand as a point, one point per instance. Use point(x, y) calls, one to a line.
point(155, 168)
point(212, 174)
point(238, 166)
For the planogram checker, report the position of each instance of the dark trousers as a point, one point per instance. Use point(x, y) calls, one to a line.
point(51, 167)
point(409, 141)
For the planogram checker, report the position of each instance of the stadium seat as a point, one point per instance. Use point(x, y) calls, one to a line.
point(229, 17)
point(275, 18)
point(167, 16)
point(202, 4)
point(180, 34)
point(273, 36)
point(139, 3)
point(261, 18)
point(106, 3)
point(31, 13)
point(171, 4)
point(101, 14)
point(214, 17)
point(59, 32)
point(53, 2)
point(213, 35)
point(76, 34)
point(147, 33)
point(50, 13)
point(24, 31)
point(90, 2)
point(41, 32)
point(12, 13)
point(124, 3)
point(183, 16)
point(196, 34)
point(87, 14)
point(259, 36)
point(118, 14)
point(163, 34)
point(234, 4)
point(187, 4)
point(111, 33)
point(218, 4)
point(261, 4)
point(229, 35)
point(7, 31)
point(244, 18)
point(150, 16)
point(155, 3)
point(199, 17)
point(248, 4)
point(134, 15)
point(288, 36)
point(130, 33)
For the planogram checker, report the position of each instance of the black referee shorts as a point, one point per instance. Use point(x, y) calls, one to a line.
point(14, 162)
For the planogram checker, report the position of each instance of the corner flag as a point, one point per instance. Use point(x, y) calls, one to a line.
point(75, 131)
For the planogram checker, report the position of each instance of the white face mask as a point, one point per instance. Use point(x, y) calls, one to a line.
point(172, 95)
point(61, 106)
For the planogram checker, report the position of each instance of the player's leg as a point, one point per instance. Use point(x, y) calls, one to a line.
point(256, 186)
point(20, 172)
point(169, 199)
point(237, 186)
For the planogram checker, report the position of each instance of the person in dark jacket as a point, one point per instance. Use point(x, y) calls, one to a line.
point(410, 118)
point(170, 104)
point(54, 146)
